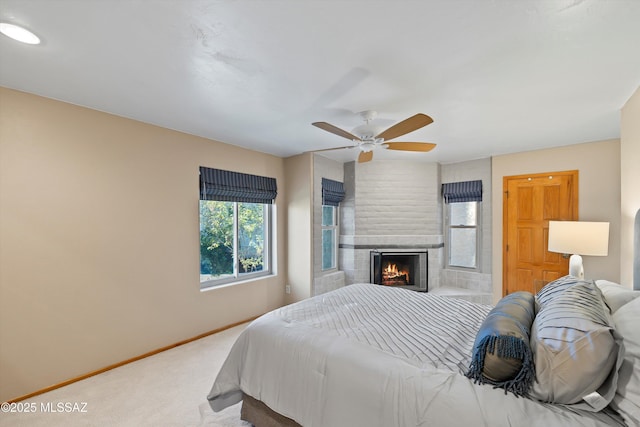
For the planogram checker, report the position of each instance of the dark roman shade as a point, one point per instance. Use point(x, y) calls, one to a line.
point(332, 192)
point(466, 191)
point(227, 186)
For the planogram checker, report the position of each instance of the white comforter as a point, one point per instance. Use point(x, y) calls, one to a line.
point(369, 355)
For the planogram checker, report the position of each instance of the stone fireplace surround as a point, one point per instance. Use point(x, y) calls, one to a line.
point(355, 254)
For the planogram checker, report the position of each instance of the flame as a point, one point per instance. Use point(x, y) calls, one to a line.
point(391, 269)
point(391, 272)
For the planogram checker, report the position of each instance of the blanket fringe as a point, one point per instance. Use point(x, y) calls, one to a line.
point(506, 346)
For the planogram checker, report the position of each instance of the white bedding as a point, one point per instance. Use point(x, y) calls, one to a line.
point(369, 355)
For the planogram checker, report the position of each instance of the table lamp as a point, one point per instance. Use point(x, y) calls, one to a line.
point(579, 238)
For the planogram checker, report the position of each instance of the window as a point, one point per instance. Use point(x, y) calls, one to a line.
point(234, 241)
point(332, 195)
point(462, 223)
point(235, 232)
point(329, 237)
point(462, 234)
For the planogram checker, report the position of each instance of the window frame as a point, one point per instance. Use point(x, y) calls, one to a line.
point(449, 227)
point(334, 228)
point(267, 250)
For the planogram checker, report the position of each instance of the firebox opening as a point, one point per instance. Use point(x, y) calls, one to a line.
point(397, 271)
point(401, 269)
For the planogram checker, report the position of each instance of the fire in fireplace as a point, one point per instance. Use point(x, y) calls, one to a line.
point(391, 276)
point(400, 268)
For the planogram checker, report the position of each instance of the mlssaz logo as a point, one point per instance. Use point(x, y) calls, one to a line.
point(63, 407)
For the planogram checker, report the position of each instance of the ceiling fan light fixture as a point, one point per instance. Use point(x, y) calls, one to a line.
point(367, 131)
point(18, 33)
point(367, 146)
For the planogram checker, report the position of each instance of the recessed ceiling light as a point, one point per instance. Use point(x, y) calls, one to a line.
point(18, 33)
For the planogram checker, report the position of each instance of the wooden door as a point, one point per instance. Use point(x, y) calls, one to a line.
point(529, 202)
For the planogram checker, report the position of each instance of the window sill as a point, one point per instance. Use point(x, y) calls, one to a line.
point(467, 269)
point(236, 282)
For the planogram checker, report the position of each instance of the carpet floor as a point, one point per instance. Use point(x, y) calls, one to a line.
point(167, 389)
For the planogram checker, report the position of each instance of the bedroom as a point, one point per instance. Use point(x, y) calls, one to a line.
point(84, 193)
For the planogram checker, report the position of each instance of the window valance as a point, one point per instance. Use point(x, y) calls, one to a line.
point(228, 186)
point(466, 191)
point(332, 192)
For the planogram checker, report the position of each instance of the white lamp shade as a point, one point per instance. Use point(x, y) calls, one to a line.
point(579, 237)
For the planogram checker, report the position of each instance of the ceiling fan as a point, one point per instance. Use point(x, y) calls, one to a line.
point(369, 137)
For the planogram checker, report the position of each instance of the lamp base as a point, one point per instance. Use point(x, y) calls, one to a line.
point(575, 266)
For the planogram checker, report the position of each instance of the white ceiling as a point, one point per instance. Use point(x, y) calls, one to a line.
point(497, 76)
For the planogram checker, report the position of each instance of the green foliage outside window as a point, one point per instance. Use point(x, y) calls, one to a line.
point(217, 238)
point(251, 237)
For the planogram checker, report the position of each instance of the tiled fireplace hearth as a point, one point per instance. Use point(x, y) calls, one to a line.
point(355, 260)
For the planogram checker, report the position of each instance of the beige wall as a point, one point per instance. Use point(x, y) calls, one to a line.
point(99, 256)
point(299, 173)
point(598, 164)
point(630, 179)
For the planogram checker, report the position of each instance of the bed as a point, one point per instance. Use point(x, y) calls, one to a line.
point(374, 356)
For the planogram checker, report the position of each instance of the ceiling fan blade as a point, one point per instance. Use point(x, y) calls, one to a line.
point(406, 126)
point(410, 146)
point(335, 130)
point(330, 149)
point(365, 156)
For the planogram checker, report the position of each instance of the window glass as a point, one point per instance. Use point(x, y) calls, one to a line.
point(329, 233)
point(231, 231)
point(251, 237)
point(216, 240)
point(328, 249)
point(463, 213)
point(462, 234)
point(328, 215)
point(463, 247)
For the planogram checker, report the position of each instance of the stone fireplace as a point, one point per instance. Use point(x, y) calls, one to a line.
point(395, 205)
point(392, 209)
point(406, 269)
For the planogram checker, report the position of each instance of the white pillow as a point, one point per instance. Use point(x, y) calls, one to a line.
point(616, 295)
point(627, 398)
